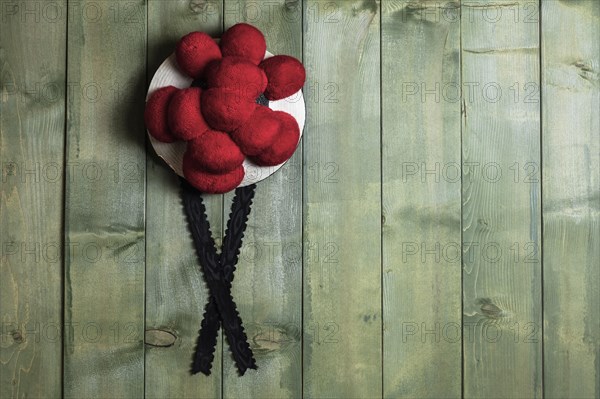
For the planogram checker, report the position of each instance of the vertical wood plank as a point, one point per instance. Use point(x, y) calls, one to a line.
point(268, 281)
point(421, 199)
point(342, 200)
point(105, 200)
point(32, 114)
point(175, 289)
point(501, 199)
point(571, 148)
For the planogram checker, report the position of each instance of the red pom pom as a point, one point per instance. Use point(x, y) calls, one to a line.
point(286, 76)
point(258, 133)
point(185, 117)
point(215, 152)
point(244, 40)
point(194, 51)
point(226, 109)
point(239, 74)
point(285, 143)
point(211, 183)
point(156, 114)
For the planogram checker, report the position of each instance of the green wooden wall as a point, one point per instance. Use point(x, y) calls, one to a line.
point(437, 233)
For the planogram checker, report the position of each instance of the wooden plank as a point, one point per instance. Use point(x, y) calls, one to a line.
point(501, 199)
point(175, 290)
point(571, 137)
point(421, 158)
point(32, 114)
point(268, 281)
point(105, 194)
point(341, 203)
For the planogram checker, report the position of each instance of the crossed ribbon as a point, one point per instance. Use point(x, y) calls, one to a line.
point(218, 272)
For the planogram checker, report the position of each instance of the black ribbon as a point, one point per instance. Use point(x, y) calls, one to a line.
point(218, 272)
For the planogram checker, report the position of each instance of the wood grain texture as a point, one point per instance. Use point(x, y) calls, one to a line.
point(175, 289)
point(501, 200)
point(571, 199)
point(105, 207)
point(342, 208)
point(32, 112)
point(421, 157)
point(268, 281)
point(349, 279)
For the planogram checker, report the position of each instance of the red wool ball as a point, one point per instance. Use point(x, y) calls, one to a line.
point(258, 133)
point(211, 183)
point(185, 117)
point(226, 109)
point(286, 76)
point(239, 74)
point(215, 152)
point(156, 114)
point(194, 51)
point(284, 145)
point(244, 40)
